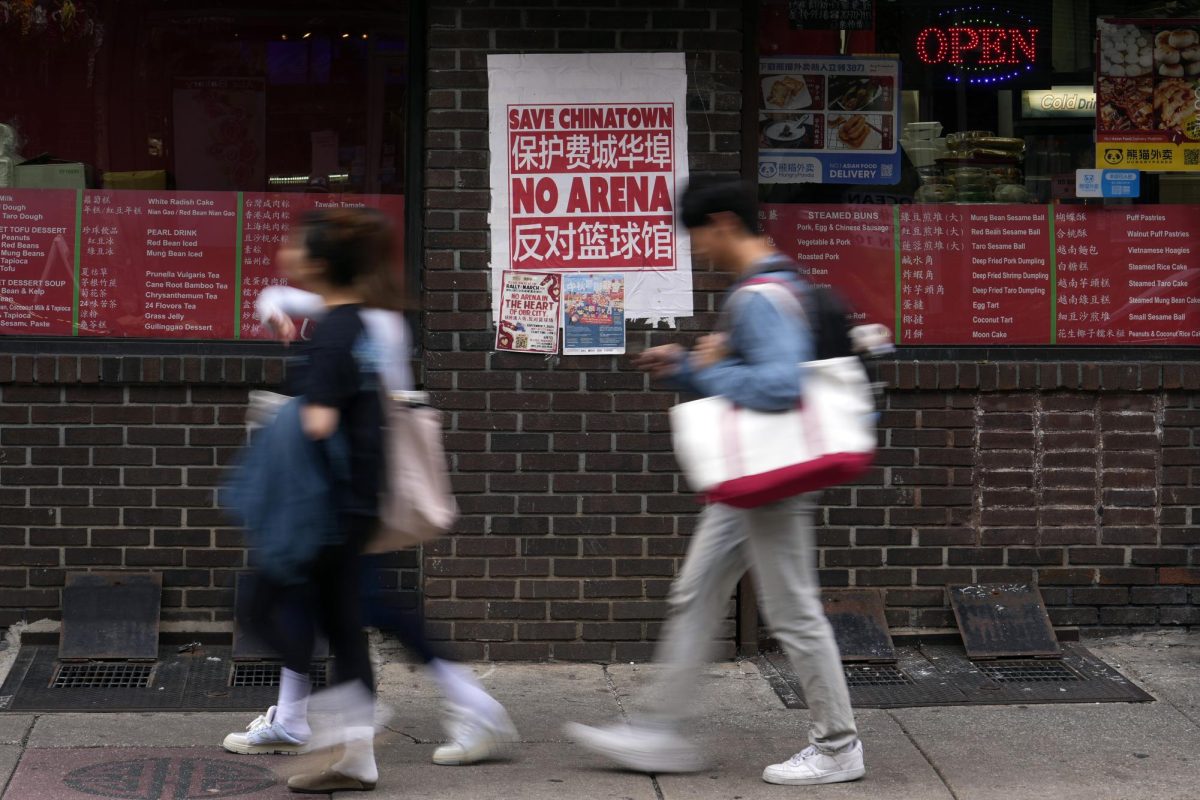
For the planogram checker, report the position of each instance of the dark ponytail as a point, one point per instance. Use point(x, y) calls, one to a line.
point(359, 247)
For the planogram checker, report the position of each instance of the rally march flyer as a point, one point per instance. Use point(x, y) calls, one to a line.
point(529, 313)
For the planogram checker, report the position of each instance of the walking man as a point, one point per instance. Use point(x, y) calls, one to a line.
point(755, 362)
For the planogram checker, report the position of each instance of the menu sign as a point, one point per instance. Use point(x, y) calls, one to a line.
point(174, 265)
point(849, 248)
point(1148, 94)
point(37, 261)
point(158, 264)
point(829, 120)
point(1129, 275)
point(975, 274)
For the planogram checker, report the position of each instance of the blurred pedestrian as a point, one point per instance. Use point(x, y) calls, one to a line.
point(755, 363)
point(477, 725)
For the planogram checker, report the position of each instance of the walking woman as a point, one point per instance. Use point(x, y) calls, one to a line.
point(338, 263)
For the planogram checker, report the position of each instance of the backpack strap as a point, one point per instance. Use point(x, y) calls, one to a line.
point(779, 291)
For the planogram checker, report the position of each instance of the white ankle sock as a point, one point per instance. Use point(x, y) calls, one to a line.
point(292, 709)
point(358, 760)
point(459, 686)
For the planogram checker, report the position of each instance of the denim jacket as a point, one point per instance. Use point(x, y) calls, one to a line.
point(282, 493)
point(768, 342)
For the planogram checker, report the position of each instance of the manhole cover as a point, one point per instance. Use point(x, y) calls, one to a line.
point(875, 675)
point(260, 673)
point(1028, 671)
point(169, 779)
point(103, 675)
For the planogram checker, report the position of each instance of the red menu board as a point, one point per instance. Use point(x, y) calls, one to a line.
point(158, 264)
point(267, 218)
point(1128, 275)
point(37, 261)
point(975, 274)
point(849, 248)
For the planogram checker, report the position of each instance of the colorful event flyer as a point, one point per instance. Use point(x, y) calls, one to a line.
point(829, 120)
point(593, 311)
point(589, 153)
point(1148, 94)
point(529, 313)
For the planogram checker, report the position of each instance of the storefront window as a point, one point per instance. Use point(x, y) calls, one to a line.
point(152, 154)
point(940, 164)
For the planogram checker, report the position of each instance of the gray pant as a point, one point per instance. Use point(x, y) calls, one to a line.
point(777, 542)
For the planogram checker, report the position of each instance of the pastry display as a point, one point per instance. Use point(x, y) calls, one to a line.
point(1125, 51)
point(1126, 104)
point(852, 130)
point(1174, 103)
point(1177, 53)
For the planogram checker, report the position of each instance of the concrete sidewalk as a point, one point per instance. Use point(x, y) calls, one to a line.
point(1089, 752)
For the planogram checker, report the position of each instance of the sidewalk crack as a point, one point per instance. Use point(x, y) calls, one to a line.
point(612, 687)
point(937, 770)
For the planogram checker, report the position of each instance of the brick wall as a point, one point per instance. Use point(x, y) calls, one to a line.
point(1080, 477)
point(574, 516)
point(1083, 477)
point(112, 463)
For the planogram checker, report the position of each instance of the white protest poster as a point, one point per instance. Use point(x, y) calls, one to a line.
point(588, 157)
point(529, 313)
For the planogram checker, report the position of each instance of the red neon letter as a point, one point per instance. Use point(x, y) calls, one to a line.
point(923, 45)
point(991, 51)
point(958, 43)
point(1027, 46)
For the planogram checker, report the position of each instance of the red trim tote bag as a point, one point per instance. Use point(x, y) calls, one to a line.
point(746, 458)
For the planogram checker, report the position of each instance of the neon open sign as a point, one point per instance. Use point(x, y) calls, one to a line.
point(979, 45)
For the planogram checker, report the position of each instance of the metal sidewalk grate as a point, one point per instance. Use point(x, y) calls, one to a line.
point(266, 674)
point(102, 675)
point(1028, 671)
point(942, 675)
point(859, 675)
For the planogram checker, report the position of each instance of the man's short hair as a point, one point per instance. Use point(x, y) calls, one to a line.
point(705, 196)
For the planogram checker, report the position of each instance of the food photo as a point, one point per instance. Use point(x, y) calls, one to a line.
point(860, 131)
point(791, 131)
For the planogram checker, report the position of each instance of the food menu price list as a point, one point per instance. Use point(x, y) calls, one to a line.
point(846, 247)
point(1128, 276)
point(266, 219)
point(975, 275)
point(161, 264)
point(37, 258)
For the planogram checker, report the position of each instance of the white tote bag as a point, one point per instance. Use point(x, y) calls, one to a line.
point(746, 458)
point(417, 503)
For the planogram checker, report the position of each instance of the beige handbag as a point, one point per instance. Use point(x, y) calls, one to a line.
point(417, 503)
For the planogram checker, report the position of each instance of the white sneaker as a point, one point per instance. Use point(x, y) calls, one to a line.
point(811, 766)
point(265, 736)
point(473, 737)
point(642, 749)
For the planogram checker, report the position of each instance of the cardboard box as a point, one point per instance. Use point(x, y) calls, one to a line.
point(50, 176)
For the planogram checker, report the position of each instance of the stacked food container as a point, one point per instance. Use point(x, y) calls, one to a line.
point(977, 167)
